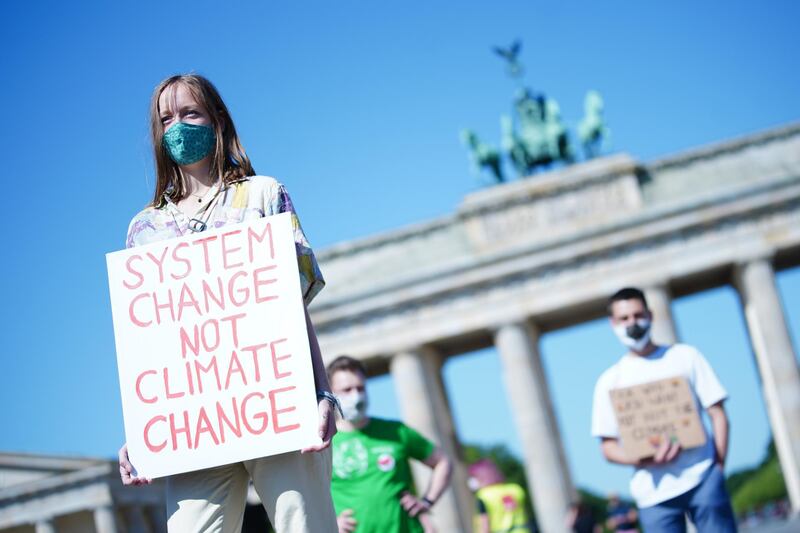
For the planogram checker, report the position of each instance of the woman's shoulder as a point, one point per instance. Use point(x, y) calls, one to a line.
point(148, 218)
point(150, 215)
point(263, 183)
point(146, 213)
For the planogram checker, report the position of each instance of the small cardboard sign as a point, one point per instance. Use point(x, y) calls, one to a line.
point(212, 348)
point(650, 413)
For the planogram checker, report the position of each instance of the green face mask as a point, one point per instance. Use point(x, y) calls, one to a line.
point(189, 143)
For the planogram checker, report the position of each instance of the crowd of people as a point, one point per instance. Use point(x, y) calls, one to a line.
point(358, 478)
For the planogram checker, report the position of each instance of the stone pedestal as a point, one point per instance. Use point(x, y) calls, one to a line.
point(545, 464)
point(424, 405)
point(777, 365)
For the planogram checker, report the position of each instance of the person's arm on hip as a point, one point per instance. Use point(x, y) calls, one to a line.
point(440, 478)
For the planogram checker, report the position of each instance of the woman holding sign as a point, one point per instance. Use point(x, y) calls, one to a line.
point(205, 180)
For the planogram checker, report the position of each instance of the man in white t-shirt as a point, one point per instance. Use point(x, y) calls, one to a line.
point(675, 481)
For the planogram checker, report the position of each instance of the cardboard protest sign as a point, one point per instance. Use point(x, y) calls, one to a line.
point(650, 413)
point(212, 348)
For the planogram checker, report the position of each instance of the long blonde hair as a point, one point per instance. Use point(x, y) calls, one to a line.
point(229, 159)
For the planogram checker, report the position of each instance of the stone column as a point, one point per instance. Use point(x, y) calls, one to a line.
point(545, 463)
point(777, 365)
point(137, 521)
point(105, 519)
point(423, 403)
point(157, 518)
point(45, 526)
point(659, 300)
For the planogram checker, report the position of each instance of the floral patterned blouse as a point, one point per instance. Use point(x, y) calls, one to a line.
point(243, 200)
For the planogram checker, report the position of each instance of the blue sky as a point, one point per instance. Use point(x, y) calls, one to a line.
point(356, 106)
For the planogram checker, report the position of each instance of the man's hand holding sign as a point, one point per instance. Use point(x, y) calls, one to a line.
point(213, 351)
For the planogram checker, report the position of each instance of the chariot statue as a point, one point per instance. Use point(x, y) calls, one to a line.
point(482, 155)
point(542, 137)
point(533, 135)
point(592, 129)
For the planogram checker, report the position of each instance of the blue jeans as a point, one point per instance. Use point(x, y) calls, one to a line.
point(708, 506)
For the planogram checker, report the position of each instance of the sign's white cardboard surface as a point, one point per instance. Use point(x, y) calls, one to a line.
point(212, 348)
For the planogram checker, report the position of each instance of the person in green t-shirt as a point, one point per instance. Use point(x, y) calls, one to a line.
point(372, 487)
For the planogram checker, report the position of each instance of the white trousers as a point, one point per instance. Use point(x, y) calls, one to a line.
point(295, 489)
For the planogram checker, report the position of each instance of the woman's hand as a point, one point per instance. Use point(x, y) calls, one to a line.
point(127, 472)
point(327, 426)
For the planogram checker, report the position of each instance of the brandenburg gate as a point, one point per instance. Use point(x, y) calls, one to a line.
point(534, 255)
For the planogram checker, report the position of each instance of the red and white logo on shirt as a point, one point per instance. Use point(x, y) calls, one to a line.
point(386, 462)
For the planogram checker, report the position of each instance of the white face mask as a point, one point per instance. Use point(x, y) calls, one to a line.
point(354, 406)
point(636, 336)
